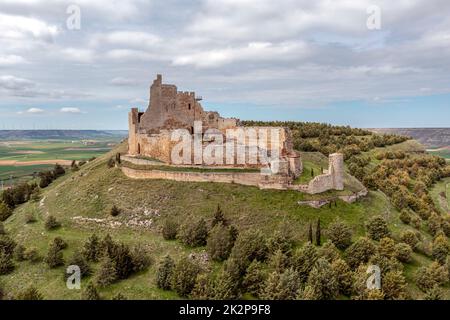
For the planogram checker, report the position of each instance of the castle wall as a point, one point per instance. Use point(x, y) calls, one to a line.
point(333, 180)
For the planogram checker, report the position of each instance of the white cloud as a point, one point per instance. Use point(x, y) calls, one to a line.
point(22, 28)
point(121, 81)
point(32, 111)
point(70, 110)
point(11, 59)
point(78, 55)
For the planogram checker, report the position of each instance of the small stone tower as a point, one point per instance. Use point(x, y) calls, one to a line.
point(336, 170)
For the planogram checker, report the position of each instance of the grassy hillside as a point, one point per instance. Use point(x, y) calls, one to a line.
point(82, 201)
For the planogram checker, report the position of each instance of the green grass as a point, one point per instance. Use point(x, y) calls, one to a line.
point(442, 187)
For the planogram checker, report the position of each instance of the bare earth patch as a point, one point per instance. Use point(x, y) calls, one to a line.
point(33, 163)
point(28, 152)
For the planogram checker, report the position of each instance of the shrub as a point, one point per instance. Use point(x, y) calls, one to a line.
point(281, 286)
point(184, 276)
point(58, 171)
point(31, 293)
point(340, 234)
point(90, 293)
point(282, 239)
point(7, 245)
point(434, 224)
point(111, 163)
point(106, 273)
point(79, 260)
point(304, 260)
point(254, 279)
point(359, 252)
point(377, 228)
point(279, 261)
point(226, 286)
point(51, 223)
point(322, 283)
point(92, 249)
point(343, 276)
point(440, 249)
point(32, 255)
point(164, 273)
point(19, 253)
point(220, 242)
point(119, 296)
point(249, 245)
point(115, 211)
point(2, 229)
point(30, 218)
point(204, 287)
point(140, 258)
point(6, 263)
point(54, 256)
point(5, 211)
point(405, 217)
point(434, 293)
point(123, 261)
point(60, 243)
point(329, 252)
point(409, 237)
point(403, 252)
point(169, 229)
point(194, 234)
point(433, 275)
point(218, 218)
point(394, 285)
point(386, 248)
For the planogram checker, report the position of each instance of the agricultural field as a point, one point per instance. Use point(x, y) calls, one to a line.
point(20, 160)
point(442, 152)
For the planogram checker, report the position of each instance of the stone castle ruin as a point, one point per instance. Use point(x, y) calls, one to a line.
point(151, 142)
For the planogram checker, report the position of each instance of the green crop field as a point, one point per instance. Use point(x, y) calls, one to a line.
point(35, 151)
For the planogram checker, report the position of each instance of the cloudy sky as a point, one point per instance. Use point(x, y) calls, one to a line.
point(262, 59)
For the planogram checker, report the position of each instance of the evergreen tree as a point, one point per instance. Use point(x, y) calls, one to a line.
point(377, 228)
point(169, 229)
point(92, 249)
point(164, 273)
point(90, 293)
point(304, 260)
point(254, 278)
point(119, 296)
point(51, 223)
point(31, 293)
point(106, 273)
point(2, 229)
point(220, 242)
point(340, 234)
point(54, 256)
point(115, 211)
point(203, 288)
point(79, 260)
point(310, 233)
point(219, 217)
point(318, 233)
point(184, 276)
point(194, 234)
point(281, 286)
point(226, 286)
point(322, 282)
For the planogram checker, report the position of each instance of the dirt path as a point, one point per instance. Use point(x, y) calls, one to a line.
point(33, 163)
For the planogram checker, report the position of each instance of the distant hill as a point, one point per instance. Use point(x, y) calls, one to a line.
point(430, 137)
point(60, 134)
